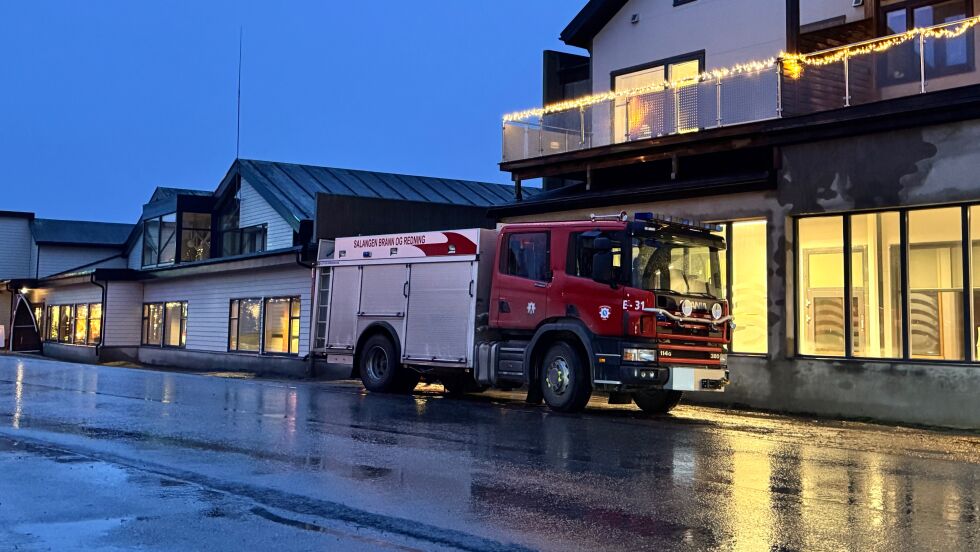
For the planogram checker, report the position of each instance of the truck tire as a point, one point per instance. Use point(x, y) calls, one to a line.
point(380, 370)
point(658, 401)
point(565, 381)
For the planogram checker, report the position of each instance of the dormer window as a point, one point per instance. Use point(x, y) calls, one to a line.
point(160, 240)
point(195, 237)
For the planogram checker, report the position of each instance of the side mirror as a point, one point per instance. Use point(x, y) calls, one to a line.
point(602, 261)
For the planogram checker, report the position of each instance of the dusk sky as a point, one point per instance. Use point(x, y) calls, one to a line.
point(102, 101)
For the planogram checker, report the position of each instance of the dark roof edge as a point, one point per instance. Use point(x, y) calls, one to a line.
point(664, 191)
point(17, 214)
point(588, 22)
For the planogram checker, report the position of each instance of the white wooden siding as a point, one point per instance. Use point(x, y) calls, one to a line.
point(208, 300)
point(135, 260)
point(55, 259)
point(256, 210)
point(15, 247)
point(68, 295)
point(123, 314)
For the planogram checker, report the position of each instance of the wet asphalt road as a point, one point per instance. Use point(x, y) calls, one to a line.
point(102, 458)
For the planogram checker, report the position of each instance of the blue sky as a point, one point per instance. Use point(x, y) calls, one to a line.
point(101, 101)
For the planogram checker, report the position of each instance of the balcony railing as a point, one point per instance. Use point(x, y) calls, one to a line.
point(915, 62)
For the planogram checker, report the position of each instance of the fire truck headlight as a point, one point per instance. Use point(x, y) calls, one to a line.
point(687, 307)
point(716, 311)
point(640, 355)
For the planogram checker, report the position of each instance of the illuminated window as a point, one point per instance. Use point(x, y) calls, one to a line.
point(821, 286)
point(79, 324)
point(974, 325)
point(935, 284)
point(270, 325)
point(650, 114)
point(747, 293)
point(282, 325)
point(165, 324)
point(906, 292)
point(244, 329)
point(876, 284)
point(750, 297)
point(195, 236)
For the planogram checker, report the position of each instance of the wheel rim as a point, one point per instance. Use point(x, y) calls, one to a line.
point(377, 362)
point(557, 377)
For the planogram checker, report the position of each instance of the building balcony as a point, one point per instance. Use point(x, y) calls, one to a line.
point(915, 62)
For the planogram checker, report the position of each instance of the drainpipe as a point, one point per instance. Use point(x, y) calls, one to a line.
point(104, 288)
point(310, 328)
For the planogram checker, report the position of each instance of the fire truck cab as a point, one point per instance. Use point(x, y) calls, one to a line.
point(630, 308)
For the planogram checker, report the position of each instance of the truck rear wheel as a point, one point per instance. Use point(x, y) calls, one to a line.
point(565, 379)
point(658, 401)
point(380, 370)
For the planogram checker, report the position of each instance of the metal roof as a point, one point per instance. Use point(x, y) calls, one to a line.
point(291, 189)
point(162, 192)
point(79, 232)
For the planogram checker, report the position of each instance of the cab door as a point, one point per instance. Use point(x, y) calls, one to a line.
point(524, 277)
point(599, 305)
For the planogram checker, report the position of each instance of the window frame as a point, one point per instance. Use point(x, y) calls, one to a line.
point(144, 323)
point(159, 240)
point(697, 55)
point(73, 324)
point(730, 287)
point(289, 324)
point(968, 340)
point(909, 7)
point(183, 226)
point(263, 301)
point(504, 257)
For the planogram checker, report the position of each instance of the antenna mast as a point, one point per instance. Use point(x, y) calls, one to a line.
point(238, 124)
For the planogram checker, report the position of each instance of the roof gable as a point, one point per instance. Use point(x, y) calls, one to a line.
point(593, 17)
point(291, 189)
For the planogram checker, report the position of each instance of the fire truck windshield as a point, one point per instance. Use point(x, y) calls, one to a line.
point(676, 263)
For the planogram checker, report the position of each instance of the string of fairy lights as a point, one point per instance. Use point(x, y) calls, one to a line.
point(792, 65)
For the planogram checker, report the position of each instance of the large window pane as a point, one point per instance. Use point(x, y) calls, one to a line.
point(174, 329)
point(876, 286)
point(81, 324)
point(153, 324)
point(820, 260)
point(935, 284)
point(750, 307)
point(975, 278)
point(64, 331)
point(151, 247)
point(277, 327)
point(54, 318)
point(95, 323)
point(249, 323)
point(195, 236)
point(168, 239)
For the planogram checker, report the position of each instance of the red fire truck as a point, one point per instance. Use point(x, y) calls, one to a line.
point(630, 308)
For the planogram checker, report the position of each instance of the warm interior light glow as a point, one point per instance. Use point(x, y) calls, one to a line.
point(792, 65)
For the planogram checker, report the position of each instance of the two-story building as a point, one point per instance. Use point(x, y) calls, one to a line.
point(835, 141)
point(213, 279)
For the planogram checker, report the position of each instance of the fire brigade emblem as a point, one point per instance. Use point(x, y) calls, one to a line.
point(531, 307)
point(604, 312)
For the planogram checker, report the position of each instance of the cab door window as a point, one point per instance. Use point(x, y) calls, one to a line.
point(581, 250)
point(527, 256)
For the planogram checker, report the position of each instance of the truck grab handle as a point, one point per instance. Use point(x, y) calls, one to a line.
point(691, 320)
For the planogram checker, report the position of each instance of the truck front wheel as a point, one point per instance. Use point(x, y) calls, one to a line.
point(380, 370)
point(565, 379)
point(657, 401)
